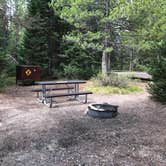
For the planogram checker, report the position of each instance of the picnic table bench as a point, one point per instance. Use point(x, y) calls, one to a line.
point(39, 90)
point(67, 94)
point(72, 87)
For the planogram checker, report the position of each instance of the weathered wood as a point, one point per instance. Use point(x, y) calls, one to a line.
point(50, 89)
point(67, 94)
point(135, 75)
point(56, 82)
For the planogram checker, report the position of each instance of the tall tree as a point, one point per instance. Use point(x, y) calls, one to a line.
point(17, 10)
point(148, 26)
point(4, 31)
point(42, 35)
point(11, 28)
point(148, 38)
point(94, 28)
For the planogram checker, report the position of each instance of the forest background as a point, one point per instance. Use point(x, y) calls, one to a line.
point(80, 38)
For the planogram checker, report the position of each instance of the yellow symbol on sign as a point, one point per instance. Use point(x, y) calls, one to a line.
point(28, 72)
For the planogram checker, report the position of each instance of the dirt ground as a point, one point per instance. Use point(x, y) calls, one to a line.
point(31, 134)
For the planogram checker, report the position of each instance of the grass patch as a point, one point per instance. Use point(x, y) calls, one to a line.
point(6, 81)
point(11, 81)
point(113, 90)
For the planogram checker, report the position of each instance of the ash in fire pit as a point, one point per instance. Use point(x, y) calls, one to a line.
point(102, 110)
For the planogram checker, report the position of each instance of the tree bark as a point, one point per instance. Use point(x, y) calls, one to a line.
point(131, 60)
point(105, 63)
point(106, 55)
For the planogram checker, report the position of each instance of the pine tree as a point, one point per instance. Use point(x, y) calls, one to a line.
point(94, 27)
point(3, 33)
point(42, 35)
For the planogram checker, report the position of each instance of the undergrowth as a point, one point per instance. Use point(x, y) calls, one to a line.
point(114, 90)
point(6, 81)
point(112, 84)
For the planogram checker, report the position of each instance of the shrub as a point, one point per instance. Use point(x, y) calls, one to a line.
point(113, 90)
point(158, 87)
point(111, 80)
point(79, 63)
point(6, 81)
point(3, 82)
point(72, 71)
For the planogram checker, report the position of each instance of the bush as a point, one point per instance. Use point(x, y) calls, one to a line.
point(72, 72)
point(113, 90)
point(3, 82)
point(158, 87)
point(79, 63)
point(111, 80)
point(6, 81)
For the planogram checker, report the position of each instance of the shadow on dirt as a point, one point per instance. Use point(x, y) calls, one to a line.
point(71, 132)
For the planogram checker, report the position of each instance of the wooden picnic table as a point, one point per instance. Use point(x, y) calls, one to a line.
point(72, 87)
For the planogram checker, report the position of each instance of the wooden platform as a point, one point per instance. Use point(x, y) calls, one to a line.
point(135, 75)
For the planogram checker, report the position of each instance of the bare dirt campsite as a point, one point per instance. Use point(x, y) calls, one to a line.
point(32, 134)
point(104, 53)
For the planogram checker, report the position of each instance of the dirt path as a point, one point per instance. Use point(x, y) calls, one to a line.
point(31, 134)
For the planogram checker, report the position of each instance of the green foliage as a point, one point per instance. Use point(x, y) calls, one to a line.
point(114, 90)
point(72, 71)
point(6, 80)
point(158, 87)
point(43, 35)
point(134, 30)
point(77, 62)
point(3, 34)
point(85, 16)
point(11, 25)
point(3, 78)
point(111, 80)
point(147, 27)
point(93, 27)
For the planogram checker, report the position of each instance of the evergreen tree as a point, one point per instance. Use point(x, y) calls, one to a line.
point(4, 31)
point(42, 35)
point(148, 27)
point(94, 27)
point(158, 87)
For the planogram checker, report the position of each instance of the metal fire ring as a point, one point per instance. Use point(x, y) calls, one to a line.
point(102, 110)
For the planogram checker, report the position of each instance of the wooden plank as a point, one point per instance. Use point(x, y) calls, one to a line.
point(67, 94)
point(135, 75)
point(55, 82)
point(50, 89)
point(50, 96)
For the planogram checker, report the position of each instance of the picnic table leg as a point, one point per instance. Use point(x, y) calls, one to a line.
point(43, 93)
point(86, 98)
point(37, 95)
point(68, 90)
point(76, 89)
point(51, 102)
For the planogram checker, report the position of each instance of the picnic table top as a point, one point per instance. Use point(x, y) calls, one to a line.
point(54, 82)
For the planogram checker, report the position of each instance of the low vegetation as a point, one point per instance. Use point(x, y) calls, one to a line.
point(111, 80)
point(76, 39)
point(6, 81)
point(114, 90)
point(158, 87)
point(112, 84)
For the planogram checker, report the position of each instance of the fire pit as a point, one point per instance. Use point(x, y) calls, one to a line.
point(102, 110)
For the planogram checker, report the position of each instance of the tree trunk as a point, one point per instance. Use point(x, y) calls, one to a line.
point(131, 60)
point(106, 55)
point(104, 63)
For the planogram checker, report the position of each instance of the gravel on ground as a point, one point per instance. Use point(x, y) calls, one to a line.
point(32, 134)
